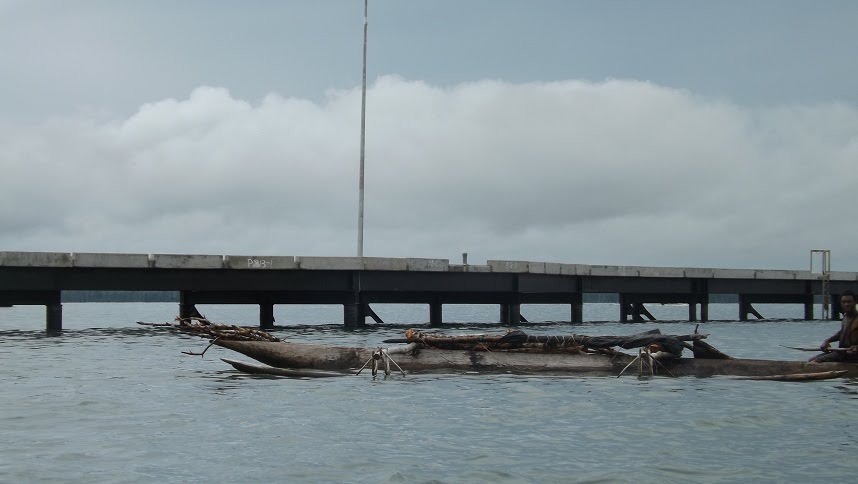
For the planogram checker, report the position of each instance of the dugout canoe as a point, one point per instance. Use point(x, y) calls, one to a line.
point(300, 356)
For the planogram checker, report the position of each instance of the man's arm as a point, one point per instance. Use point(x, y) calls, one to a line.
point(827, 342)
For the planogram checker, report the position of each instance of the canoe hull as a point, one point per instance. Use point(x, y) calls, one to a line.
point(343, 359)
point(339, 358)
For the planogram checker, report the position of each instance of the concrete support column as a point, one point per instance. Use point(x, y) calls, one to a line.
point(638, 310)
point(514, 313)
point(435, 313)
point(54, 317)
point(808, 311)
point(743, 308)
point(746, 308)
point(354, 311)
point(692, 311)
point(836, 308)
point(266, 315)
point(577, 315)
point(187, 309)
point(353, 315)
point(510, 309)
point(510, 313)
point(701, 287)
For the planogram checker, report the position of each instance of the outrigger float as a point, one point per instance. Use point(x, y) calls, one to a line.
point(512, 352)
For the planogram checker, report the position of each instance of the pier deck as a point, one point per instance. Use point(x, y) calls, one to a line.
point(38, 278)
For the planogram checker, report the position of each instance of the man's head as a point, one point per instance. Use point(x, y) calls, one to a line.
point(847, 301)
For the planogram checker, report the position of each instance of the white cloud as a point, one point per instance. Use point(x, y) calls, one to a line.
point(621, 172)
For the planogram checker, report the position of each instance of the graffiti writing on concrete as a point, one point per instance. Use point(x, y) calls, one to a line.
point(259, 264)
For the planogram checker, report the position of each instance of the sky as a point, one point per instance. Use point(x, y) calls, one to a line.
point(659, 133)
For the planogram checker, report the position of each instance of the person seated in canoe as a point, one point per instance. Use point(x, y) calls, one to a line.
point(847, 336)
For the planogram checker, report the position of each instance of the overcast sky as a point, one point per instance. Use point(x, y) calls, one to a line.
point(662, 133)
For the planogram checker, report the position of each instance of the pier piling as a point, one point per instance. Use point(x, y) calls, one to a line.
point(510, 313)
point(435, 313)
point(353, 316)
point(577, 309)
point(266, 315)
point(54, 317)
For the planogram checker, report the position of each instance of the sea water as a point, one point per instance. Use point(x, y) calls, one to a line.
point(109, 400)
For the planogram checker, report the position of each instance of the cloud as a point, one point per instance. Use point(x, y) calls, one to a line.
point(616, 172)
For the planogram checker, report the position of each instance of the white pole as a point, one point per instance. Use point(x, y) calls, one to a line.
point(362, 133)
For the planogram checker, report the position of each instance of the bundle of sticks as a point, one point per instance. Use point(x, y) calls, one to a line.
point(516, 340)
point(207, 329)
point(513, 340)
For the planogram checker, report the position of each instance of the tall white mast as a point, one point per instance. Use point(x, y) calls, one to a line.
point(362, 133)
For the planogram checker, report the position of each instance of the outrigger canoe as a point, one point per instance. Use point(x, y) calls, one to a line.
point(482, 354)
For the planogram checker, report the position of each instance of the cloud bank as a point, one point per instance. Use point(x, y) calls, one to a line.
point(616, 172)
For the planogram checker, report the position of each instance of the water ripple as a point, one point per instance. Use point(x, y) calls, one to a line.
point(101, 404)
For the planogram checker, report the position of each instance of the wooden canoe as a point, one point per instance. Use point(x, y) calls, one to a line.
point(282, 355)
point(821, 375)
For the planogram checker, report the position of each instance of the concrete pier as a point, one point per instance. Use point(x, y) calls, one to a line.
point(38, 278)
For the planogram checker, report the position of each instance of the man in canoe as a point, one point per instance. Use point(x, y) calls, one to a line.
point(847, 336)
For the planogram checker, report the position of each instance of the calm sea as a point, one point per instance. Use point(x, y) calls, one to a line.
point(111, 401)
